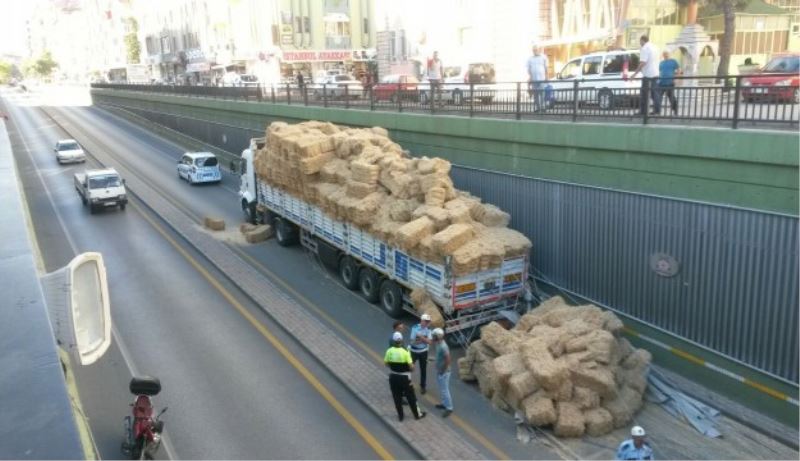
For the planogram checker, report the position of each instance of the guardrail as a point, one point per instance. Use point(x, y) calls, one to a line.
point(762, 99)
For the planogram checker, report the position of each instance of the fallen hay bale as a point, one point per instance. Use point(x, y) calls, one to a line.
point(259, 234)
point(215, 224)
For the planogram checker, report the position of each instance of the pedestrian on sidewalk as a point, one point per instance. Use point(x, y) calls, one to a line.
point(666, 80)
point(419, 340)
point(397, 327)
point(435, 72)
point(443, 372)
point(648, 66)
point(635, 448)
point(537, 78)
point(398, 359)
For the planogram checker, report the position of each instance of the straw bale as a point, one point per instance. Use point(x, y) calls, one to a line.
point(246, 227)
point(328, 172)
point(585, 398)
point(514, 243)
point(570, 422)
point(539, 410)
point(598, 379)
point(507, 365)
point(426, 165)
point(435, 196)
point(600, 342)
point(259, 234)
point(498, 339)
point(452, 237)
point(458, 215)
point(598, 422)
point(418, 296)
point(311, 165)
point(465, 369)
point(313, 146)
point(362, 212)
point(380, 131)
point(483, 372)
point(635, 379)
point(409, 234)
point(564, 392)
point(640, 358)
point(499, 402)
point(213, 223)
point(549, 373)
point(359, 189)
point(429, 181)
point(624, 348)
point(365, 172)
point(623, 406)
point(520, 386)
point(400, 210)
point(491, 216)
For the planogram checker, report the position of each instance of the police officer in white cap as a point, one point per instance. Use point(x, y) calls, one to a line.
point(635, 448)
point(418, 342)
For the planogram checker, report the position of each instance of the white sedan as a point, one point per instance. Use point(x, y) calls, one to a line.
point(69, 151)
point(338, 87)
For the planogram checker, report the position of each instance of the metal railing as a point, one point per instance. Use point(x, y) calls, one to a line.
point(769, 99)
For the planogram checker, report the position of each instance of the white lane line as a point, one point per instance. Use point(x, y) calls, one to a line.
point(123, 349)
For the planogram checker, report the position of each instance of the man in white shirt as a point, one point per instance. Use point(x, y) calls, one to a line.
point(537, 77)
point(435, 77)
point(648, 66)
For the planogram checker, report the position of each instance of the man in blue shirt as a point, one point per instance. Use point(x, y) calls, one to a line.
point(419, 340)
point(667, 70)
point(635, 448)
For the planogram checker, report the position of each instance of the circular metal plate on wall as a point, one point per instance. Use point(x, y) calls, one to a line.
point(664, 265)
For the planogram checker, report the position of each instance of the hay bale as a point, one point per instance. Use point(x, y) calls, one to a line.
point(409, 234)
point(418, 296)
point(640, 358)
point(570, 421)
point(452, 238)
point(624, 348)
point(358, 189)
point(549, 373)
point(539, 410)
point(438, 215)
point(465, 369)
point(498, 339)
point(598, 422)
point(246, 227)
point(215, 224)
point(520, 386)
point(259, 234)
point(435, 196)
point(635, 379)
point(400, 210)
point(564, 392)
point(585, 398)
point(507, 365)
point(611, 322)
point(499, 402)
point(365, 172)
point(491, 216)
point(598, 379)
point(313, 165)
point(601, 343)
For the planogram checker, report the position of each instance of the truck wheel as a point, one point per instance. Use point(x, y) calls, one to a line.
point(249, 210)
point(369, 283)
point(285, 233)
point(391, 297)
point(348, 271)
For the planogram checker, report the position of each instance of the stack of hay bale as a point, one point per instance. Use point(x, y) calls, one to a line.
point(561, 366)
point(361, 176)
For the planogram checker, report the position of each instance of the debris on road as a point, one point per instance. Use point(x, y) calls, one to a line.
point(215, 224)
point(562, 366)
point(701, 416)
point(259, 233)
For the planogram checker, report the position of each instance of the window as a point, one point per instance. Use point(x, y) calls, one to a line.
point(68, 146)
point(206, 161)
point(591, 65)
point(570, 70)
point(102, 182)
point(783, 64)
point(481, 73)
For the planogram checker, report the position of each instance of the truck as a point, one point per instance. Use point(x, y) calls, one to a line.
point(381, 272)
point(101, 189)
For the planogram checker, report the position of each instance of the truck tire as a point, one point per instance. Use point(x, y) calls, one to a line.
point(369, 284)
point(391, 297)
point(285, 233)
point(348, 272)
point(249, 210)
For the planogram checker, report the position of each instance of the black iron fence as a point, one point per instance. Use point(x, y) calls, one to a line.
point(771, 99)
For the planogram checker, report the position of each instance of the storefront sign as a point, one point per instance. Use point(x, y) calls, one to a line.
point(198, 67)
point(327, 55)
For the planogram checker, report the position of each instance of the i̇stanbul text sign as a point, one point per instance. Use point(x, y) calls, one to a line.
point(325, 55)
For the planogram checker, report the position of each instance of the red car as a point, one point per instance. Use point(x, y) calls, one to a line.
point(397, 86)
point(765, 85)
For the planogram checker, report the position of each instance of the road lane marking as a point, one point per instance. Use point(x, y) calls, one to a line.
point(371, 440)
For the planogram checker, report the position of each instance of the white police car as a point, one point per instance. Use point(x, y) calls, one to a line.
point(198, 167)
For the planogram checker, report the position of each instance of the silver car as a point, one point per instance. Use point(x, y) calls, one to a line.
point(69, 151)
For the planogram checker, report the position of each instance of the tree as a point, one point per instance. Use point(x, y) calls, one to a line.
point(728, 9)
point(132, 45)
point(5, 71)
point(41, 67)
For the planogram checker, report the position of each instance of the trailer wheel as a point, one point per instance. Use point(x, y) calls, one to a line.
point(392, 298)
point(348, 271)
point(285, 233)
point(369, 283)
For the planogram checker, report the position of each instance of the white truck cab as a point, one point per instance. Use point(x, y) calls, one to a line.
point(247, 184)
point(101, 189)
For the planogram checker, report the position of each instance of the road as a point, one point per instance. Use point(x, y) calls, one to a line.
point(231, 394)
point(155, 275)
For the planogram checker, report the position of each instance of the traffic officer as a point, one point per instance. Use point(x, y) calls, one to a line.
point(635, 448)
point(398, 359)
point(419, 340)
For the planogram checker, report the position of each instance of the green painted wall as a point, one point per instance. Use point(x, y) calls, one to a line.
point(745, 168)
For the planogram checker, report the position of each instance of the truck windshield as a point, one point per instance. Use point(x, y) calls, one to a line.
point(102, 182)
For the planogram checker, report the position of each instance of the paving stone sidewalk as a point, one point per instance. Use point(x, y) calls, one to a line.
point(431, 437)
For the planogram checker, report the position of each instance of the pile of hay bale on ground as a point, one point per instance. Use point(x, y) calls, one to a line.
point(363, 177)
point(561, 366)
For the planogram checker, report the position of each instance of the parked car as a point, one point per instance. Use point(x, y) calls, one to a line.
point(196, 167)
point(764, 85)
point(456, 87)
point(69, 151)
point(248, 80)
point(397, 86)
point(601, 78)
point(338, 87)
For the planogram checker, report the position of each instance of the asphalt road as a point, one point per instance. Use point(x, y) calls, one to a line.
point(231, 394)
point(361, 324)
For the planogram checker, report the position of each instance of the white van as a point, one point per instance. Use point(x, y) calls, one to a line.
point(198, 167)
point(600, 79)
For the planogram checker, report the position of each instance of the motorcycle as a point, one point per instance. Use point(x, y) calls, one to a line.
point(143, 430)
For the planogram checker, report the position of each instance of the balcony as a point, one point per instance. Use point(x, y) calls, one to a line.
point(337, 42)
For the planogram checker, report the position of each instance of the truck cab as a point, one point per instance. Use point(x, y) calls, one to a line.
point(100, 189)
point(247, 182)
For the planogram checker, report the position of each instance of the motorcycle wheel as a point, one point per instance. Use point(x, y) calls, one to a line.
point(138, 451)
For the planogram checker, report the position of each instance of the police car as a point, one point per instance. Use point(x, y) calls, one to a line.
point(197, 167)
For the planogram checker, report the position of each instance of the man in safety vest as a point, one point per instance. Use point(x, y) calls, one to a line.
point(398, 359)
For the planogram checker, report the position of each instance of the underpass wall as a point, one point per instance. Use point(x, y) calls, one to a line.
point(690, 234)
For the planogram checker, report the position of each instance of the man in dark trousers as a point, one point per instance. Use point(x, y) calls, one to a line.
point(418, 343)
point(398, 359)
